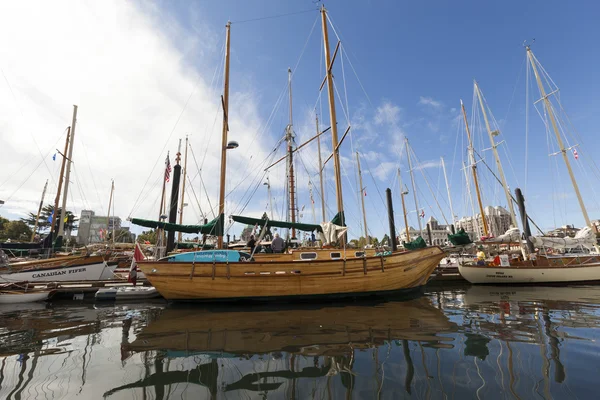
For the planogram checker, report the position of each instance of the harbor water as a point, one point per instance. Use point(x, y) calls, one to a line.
point(453, 343)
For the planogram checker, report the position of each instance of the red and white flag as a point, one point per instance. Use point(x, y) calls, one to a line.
point(576, 154)
point(138, 255)
point(365, 192)
point(167, 169)
point(422, 213)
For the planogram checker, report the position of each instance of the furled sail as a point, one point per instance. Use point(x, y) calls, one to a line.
point(513, 235)
point(584, 238)
point(276, 224)
point(460, 238)
point(214, 227)
point(418, 243)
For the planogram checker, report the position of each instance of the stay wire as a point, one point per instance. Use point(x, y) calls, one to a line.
point(273, 16)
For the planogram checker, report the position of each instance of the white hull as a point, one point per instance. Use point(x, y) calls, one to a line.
point(510, 275)
point(15, 298)
point(127, 293)
point(90, 272)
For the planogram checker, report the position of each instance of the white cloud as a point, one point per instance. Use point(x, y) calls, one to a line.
point(130, 70)
point(427, 164)
point(428, 101)
point(387, 113)
point(383, 170)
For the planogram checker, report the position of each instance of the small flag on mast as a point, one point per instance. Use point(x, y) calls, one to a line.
point(422, 213)
point(576, 154)
point(167, 169)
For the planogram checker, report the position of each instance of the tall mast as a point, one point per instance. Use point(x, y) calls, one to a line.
point(289, 137)
point(63, 211)
point(362, 198)
point(179, 237)
point(402, 194)
point(60, 181)
point(412, 178)
point(492, 134)
point(332, 117)
point(225, 99)
point(550, 111)
point(37, 218)
point(474, 168)
point(321, 172)
point(164, 186)
point(110, 199)
point(448, 190)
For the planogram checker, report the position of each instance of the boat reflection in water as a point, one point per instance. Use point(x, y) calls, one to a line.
point(481, 341)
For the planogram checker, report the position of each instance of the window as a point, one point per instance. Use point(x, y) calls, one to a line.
point(335, 256)
point(308, 256)
point(359, 254)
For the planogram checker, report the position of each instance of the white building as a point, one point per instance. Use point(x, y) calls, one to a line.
point(498, 220)
point(439, 233)
point(92, 227)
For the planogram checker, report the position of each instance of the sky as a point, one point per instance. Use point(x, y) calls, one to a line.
point(146, 74)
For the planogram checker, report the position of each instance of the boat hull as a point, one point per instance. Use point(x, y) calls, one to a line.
point(292, 279)
point(531, 275)
point(86, 272)
point(17, 298)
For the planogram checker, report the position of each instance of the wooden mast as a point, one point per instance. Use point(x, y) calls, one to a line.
point(333, 120)
point(289, 137)
point(60, 181)
point(37, 218)
point(448, 190)
point(402, 194)
point(110, 199)
point(561, 146)
point(474, 168)
point(63, 211)
point(362, 199)
point(225, 102)
point(412, 178)
point(323, 213)
point(179, 237)
point(492, 134)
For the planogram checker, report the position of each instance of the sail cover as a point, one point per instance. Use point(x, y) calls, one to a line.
point(513, 235)
point(584, 238)
point(276, 224)
point(460, 238)
point(214, 227)
point(418, 243)
point(331, 233)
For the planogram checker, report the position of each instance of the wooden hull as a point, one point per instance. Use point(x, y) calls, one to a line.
point(85, 272)
point(328, 330)
point(16, 298)
point(292, 279)
point(545, 270)
point(64, 261)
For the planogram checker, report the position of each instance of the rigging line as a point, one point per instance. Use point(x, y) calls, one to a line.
point(429, 186)
point(274, 16)
point(195, 196)
point(202, 182)
point(357, 78)
point(91, 174)
point(23, 117)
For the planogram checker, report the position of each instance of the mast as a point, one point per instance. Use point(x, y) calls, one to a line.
point(110, 199)
point(60, 181)
point(448, 190)
point(174, 198)
point(333, 120)
point(61, 223)
point(270, 198)
point(474, 168)
point(164, 186)
point(550, 111)
point(225, 100)
point(289, 137)
point(362, 198)
point(320, 172)
point(412, 178)
point(402, 194)
point(179, 237)
point(37, 218)
point(492, 134)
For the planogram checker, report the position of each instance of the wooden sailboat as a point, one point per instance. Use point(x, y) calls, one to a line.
point(223, 274)
point(541, 266)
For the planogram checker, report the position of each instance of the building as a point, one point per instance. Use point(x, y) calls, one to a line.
point(439, 233)
point(563, 231)
point(497, 218)
point(92, 228)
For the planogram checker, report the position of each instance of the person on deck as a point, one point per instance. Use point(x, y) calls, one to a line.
point(252, 244)
point(277, 244)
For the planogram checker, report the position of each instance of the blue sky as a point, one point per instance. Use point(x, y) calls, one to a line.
point(415, 61)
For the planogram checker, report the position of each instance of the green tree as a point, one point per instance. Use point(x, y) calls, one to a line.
point(375, 242)
point(385, 241)
point(44, 221)
point(148, 236)
point(15, 230)
point(2, 222)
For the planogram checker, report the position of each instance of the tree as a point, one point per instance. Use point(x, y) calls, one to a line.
point(45, 218)
point(148, 236)
point(375, 241)
point(2, 222)
point(245, 236)
point(15, 230)
point(385, 241)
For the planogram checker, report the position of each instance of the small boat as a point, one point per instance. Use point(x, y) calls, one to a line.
point(93, 271)
point(127, 293)
point(15, 296)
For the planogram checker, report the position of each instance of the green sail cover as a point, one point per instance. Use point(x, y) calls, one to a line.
point(214, 227)
point(418, 243)
point(339, 219)
point(460, 238)
point(276, 224)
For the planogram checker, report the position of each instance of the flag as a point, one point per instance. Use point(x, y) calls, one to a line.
point(137, 256)
point(576, 154)
point(54, 157)
point(422, 213)
point(167, 169)
point(365, 192)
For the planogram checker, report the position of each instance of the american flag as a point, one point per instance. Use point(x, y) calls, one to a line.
point(576, 154)
point(167, 169)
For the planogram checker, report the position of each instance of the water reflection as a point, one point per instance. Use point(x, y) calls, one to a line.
point(481, 341)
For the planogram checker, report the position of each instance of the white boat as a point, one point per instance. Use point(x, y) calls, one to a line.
point(14, 297)
point(127, 293)
point(89, 272)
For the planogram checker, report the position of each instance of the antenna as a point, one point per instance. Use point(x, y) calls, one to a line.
point(527, 45)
